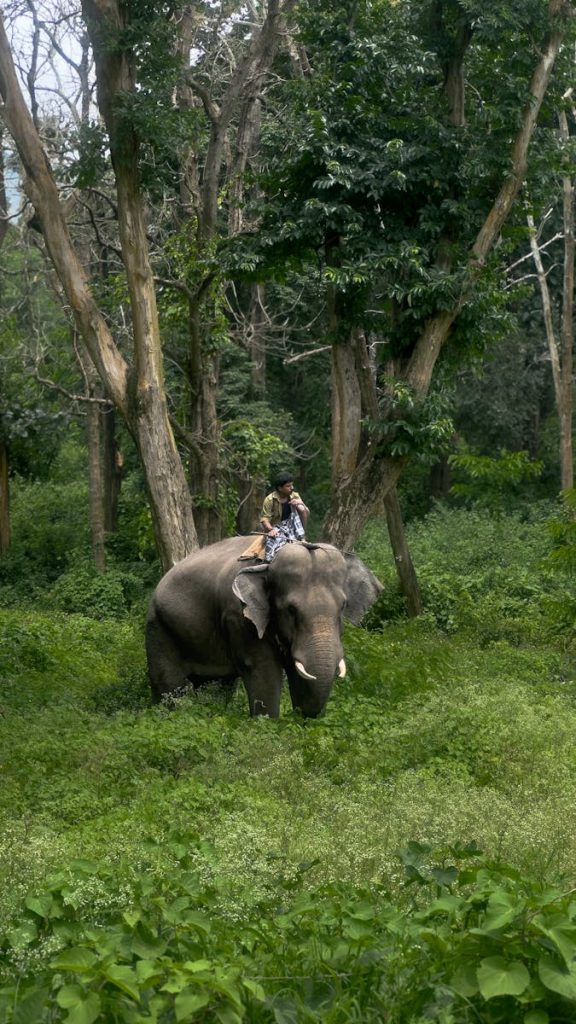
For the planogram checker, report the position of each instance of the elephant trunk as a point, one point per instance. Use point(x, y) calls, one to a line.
point(318, 662)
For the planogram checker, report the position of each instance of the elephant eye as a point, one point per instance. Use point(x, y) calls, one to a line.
point(291, 610)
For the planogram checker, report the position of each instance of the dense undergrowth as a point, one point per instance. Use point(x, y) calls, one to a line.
point(409, 857)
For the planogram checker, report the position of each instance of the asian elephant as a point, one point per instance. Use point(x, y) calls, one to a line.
point(213, 617)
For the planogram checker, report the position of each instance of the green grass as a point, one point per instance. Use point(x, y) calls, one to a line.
point(439, 736)
point(429, 739)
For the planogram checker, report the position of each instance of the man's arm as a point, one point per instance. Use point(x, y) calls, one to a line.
point(302, 509)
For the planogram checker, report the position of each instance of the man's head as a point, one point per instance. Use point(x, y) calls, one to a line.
point(284, 484)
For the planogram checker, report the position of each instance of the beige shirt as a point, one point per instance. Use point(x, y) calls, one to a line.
point(272, 507)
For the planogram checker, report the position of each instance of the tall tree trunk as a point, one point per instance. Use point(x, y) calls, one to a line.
point(355, 498)
point(3, 197)
point(402, 558)
point(241, 96)
point(256, 339)
point(4, 500)
point(4, 486)
point(560, 348)
point(251, 494)
point(113, 463)
point(96, 486)
point(440, 478)
point(139, 396)
point(205, 430)
point(567, 324)
point(95, 472)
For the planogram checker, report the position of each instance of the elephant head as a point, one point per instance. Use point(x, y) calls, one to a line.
point(299, 600)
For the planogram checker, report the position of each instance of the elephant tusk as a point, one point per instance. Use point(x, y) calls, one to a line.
point(302, 671)
point(342, 669)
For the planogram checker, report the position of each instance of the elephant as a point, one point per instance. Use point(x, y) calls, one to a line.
point(215, 617)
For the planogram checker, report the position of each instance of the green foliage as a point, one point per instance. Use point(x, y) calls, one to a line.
point(366, 162)
point(100, 595)
point(482, 942)
point(183, 862)
point(410, 427)
point(476, 570)
point(49, 529)
point(494, 482)
point(562, 560)
point(563, 533)
point(252, 449)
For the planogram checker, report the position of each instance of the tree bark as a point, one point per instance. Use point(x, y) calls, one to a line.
point(561, 348)
point(112, 463)
point(3, 197)
point(95, 472)
point(256, 339)
point(96, 486)
point(138, 394)
point(240, 95)
point(402, 558)
point(560, 351)
point(567, 325)
point(205, 429)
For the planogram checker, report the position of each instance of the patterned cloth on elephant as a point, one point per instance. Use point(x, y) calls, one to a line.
point(286, 532)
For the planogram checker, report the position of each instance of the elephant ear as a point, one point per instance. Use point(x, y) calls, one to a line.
point(250, 587)
point(362, 589)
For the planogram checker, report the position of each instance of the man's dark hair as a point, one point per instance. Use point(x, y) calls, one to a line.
point(283, 478)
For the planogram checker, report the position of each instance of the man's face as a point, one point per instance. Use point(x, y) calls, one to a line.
point(285, 490)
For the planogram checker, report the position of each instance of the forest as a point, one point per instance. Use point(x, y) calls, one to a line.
point(334, 239)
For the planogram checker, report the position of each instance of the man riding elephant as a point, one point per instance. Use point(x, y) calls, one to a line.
point(212, 617)
point(284, 515)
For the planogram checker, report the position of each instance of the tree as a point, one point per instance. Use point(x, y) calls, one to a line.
point(211, 191)
point(561, 341)
point(403, 182)
point(137, 391)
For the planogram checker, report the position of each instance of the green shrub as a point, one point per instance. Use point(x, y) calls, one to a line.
point(475, 570)
point(49, 530)
point(100, 595)
point(477, 942)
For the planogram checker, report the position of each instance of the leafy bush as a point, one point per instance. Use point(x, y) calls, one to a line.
point(49, 561)
point(49, 530)
point(477, 942)
point(476, 571)
point(494, 483)
point(100, 595)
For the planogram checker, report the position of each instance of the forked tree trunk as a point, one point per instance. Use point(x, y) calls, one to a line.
point(240, 97)
point(357, 493)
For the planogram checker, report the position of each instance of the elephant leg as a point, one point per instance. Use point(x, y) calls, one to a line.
point(167, 667)
point(263, 678)
point(297, 687)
